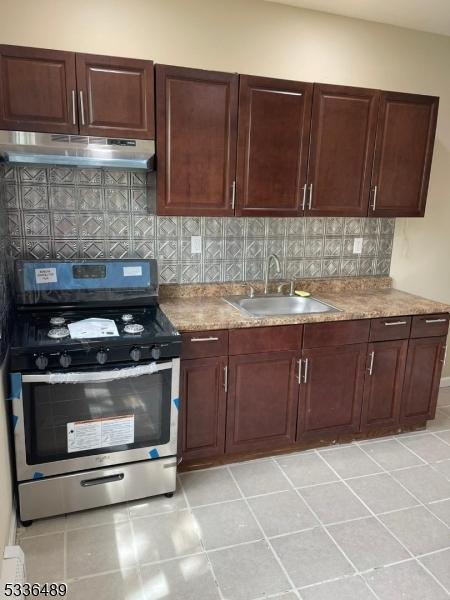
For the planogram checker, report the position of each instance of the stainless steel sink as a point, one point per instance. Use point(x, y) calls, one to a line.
point(273, 305)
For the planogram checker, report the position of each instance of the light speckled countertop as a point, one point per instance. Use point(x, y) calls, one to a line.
point(201, 307)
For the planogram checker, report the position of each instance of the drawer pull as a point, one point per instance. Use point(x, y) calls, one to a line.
point(372, 358)
point(390, 323)
point(299, 378)
point(100, 480)
point(206, 339)
point(225, 378)
point(305, 374)
point(429, 321)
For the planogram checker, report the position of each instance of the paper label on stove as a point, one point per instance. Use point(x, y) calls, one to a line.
point(132, 271)
point(100, 433)
point(93, 328)
point(46, 275)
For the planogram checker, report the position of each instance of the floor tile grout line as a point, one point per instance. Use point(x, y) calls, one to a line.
point(322, 526)
point(136, 557)
point(204, 553)
point(266, 539)
point(428, 462)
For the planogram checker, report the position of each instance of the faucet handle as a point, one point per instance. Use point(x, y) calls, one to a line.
point(251, 290)
point(281, 285)
point(292, 287)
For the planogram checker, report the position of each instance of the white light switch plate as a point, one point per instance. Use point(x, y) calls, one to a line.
point(357, 246)
point(196, 244)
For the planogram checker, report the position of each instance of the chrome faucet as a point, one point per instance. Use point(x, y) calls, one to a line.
point(276, 260)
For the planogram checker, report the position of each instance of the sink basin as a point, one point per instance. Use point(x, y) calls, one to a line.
point(273, 305)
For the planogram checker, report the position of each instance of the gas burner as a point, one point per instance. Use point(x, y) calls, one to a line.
point(58, 333)
point(57, 321)
point(134, 328)
point(127, 318)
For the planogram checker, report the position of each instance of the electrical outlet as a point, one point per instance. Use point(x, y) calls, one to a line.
point(196, 244)
point(357, 246)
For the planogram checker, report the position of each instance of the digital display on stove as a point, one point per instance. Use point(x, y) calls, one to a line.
point(89, 271)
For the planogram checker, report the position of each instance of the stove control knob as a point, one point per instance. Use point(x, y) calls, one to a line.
point(135, 354)
point(65, 360)
point(41, 362)
point(156, 352)
point(102, 356)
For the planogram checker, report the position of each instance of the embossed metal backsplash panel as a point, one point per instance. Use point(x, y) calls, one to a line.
point(5, 274)
point(93, 213)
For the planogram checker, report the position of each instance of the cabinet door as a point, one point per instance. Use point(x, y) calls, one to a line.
point(383, 384)
point(196, 124)
point(115, 96)
point(341, 152)
point(273, 142)
point(331, 391)
point(37, 90)
point(262, 401)
point(203, 406)
point(422, 379)
point(404, 148)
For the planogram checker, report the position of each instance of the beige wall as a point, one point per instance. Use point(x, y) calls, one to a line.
point(262, 38)
point(5, 471)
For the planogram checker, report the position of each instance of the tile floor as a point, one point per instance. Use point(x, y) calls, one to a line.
point(368, 520)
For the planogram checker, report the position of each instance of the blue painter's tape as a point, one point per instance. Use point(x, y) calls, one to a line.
point(38, 475)
point(14, 420)
point(154, 453)
point(176, 401)
point(16, 385)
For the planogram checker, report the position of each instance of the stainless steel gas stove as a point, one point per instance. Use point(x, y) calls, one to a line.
point(94, 385)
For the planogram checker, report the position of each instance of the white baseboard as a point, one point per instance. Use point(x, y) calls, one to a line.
point(445, 381)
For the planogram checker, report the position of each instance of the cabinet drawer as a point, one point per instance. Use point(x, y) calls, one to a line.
point(430, 325)
point(201, 344)
point(265, 339)
point(390, 328)
point(339, 333)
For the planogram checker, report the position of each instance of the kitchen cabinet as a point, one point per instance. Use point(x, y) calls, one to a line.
point(273, 142)
point(403, 153)
point(262, 401)
point(343, 127)
point(196, 124)
point(65, 92)
point(332, 380)
point(115, 96)
point(383, 385)
point(203, 407)
point(37, 90)
point(422, 379)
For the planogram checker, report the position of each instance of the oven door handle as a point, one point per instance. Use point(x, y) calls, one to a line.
point(97, 377)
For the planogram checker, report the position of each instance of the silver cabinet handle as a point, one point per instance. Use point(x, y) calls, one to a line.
point(304, 196)
point(429, 321)
point(74, 109)
point(225, 378)
point(82, 107)
point(206, 339)
point(374, 201)
point(310, 196)
point(305, 374)
point(233, 194)
point(372, 358)
point(390, 323)
point(299, 377)
point(444, 360)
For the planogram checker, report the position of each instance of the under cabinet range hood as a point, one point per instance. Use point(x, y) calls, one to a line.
point(24, 147)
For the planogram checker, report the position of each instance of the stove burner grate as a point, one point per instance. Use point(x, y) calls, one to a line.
point(58, 333)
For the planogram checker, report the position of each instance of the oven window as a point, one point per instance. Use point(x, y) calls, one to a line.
point(49, 408)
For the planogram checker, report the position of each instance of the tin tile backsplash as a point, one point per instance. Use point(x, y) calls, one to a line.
point(97, 213)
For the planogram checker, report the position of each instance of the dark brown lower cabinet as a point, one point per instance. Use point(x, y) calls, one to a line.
point(262, 401)
point(422, 379)
point(203, 407)
point(331, 391)
point(383, 385)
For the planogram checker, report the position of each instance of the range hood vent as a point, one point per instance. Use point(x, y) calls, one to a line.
point(24, 147)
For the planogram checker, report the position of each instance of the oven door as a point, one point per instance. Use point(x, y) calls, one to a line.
point(90, 418)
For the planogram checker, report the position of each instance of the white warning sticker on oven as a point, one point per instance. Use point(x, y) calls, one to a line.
point(100, 433)
point(46, 275)
point(132, 271)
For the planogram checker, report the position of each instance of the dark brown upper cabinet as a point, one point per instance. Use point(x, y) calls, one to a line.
point(404, 148)
point(343, 127)
point(37, 90)
point(196, 126)
point(115, 96)
point(273, 142)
